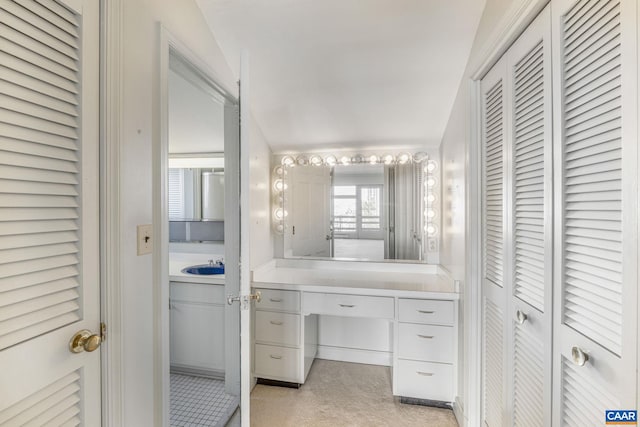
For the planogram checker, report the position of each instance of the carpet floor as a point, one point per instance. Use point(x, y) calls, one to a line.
point(341, 394)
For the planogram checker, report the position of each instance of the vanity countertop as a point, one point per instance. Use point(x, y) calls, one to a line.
point(180, 260)
point(382, 279)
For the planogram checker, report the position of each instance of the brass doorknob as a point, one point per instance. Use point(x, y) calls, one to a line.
point(84, 340)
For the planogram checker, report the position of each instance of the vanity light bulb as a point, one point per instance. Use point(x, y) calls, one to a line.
point(430, 213)
point(331, 160)
point(430, 198)
point(279, 185)
point(431, 182)
point(420, 157)
point(373, 159)
point(288, 161)
point(280, 228)
point(278, 170)
point(345, 160)
point(387, 159)
point(431, 229)
point(279, 214)
point(315, 160)
point(431, 167)
point(301, 160)
point(404, 158)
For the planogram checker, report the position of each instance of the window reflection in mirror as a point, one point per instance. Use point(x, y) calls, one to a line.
point(361, 212)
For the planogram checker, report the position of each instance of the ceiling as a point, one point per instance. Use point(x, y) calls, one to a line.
point(348, 74)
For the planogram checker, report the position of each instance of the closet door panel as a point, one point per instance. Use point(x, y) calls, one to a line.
point(595, 323)
point(530, 225)
point(494, 307)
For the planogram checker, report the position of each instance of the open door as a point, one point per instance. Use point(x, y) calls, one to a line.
point(49, 215)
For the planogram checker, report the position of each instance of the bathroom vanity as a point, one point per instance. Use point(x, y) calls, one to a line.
point(418, 302)
point(196, 305)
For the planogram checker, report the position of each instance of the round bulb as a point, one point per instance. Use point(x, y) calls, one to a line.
point(288, 161)
point(331, 160)
point(278, 170)
point(315, 160)
point(280, 228)
point(279, 214)
point(430, 198)
point(345, 160)
point(431, 166)
point(431, 213)
point(431, 229)
point(404, 158)
point(387, 159)
point(431, 182)
point(373, 159)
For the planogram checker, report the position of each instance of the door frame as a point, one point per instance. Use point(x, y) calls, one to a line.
point(513, 23)
point(160, 155)
point(111, 129)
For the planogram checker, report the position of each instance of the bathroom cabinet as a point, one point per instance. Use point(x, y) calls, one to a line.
point(197, 328)
point(420, 311)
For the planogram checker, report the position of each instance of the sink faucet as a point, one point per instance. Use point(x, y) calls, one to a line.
point(217, 262)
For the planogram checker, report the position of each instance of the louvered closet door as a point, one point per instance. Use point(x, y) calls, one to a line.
point(49, 264)
point(494, 202)
point(595, 211)
point(530, 224)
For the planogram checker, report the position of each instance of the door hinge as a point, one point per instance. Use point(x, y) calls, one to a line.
point(103, 331)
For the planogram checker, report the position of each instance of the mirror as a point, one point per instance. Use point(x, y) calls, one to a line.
point(196, 194)
point(361, 211)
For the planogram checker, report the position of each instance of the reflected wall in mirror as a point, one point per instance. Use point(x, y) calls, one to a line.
point(358, 211)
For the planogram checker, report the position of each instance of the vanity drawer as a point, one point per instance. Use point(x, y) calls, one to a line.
point(277, 328)
point(426, 311)
point(425, 342)
point(348, 305)
point(277, 363)
point(424, 380)
point(273, 299)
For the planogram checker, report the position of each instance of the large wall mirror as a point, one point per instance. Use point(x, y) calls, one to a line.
point(366, 210)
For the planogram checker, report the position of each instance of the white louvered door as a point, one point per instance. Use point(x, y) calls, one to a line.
point(530, 171)
point(49, 237)
point(494, 201)
point(595, 273)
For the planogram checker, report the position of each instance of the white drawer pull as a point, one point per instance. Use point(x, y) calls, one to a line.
point(426, 312)
point(346, 305)
point(275, 357)
point(427, 337)
point(425, 374)
point(273, 322)
point(275, 299)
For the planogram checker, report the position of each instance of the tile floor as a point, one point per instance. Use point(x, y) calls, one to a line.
point(199, 401)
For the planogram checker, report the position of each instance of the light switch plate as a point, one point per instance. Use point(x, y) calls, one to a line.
point(145, 239)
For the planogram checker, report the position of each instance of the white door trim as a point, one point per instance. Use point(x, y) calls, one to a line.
point(160, 157)
point(111, 105)
point(514, 22)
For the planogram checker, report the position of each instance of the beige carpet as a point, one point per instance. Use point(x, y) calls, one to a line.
point(341, 394)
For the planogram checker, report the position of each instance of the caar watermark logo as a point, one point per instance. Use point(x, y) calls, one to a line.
point(621, 417)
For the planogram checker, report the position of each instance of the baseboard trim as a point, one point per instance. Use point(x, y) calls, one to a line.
point(458, 412)
point(425, 402)
point(354, 355)
point(209, 373)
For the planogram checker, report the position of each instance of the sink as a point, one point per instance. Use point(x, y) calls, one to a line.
point(204, 269)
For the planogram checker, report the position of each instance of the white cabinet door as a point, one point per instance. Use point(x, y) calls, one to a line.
point(530, 225)
point(494, 299)
point(595, 301)
point(49, 211)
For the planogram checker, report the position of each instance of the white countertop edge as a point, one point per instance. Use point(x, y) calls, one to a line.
point(400, 293)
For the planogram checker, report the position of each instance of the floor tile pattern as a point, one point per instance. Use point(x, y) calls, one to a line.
point(199, 401)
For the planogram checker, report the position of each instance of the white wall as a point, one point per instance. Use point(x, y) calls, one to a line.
point(453, 160)
point(260, 176)
point(184, 21)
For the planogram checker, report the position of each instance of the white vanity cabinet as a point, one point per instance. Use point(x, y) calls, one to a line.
point(280, 353)
point(425, 349)
point(197, 328)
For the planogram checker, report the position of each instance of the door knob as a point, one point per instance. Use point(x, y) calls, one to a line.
point(520, 317)
point(579, 356)
point(84, 340)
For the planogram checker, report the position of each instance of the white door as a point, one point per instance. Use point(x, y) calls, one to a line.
point(529, 251)
point(495, 219)
point(310, 216)
point(49, 238)
point(596, 197)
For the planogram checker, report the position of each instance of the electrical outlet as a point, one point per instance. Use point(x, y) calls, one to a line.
point(432, 245)
point(145, 241)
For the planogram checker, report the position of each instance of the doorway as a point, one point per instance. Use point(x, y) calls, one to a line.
point(197, 168)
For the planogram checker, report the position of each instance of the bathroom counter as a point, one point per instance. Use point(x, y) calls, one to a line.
point(179, 260)
point(381, 279)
